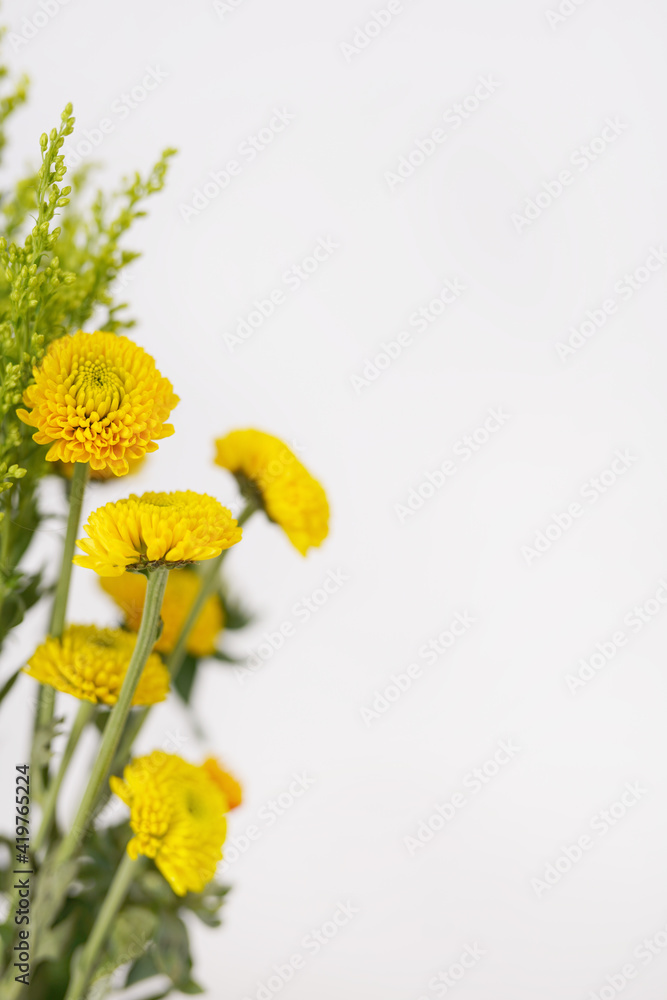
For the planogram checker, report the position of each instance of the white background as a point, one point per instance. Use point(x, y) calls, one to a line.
point(355, 113)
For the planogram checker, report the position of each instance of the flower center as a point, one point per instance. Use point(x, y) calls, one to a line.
point(194, 804)
point(97, 386)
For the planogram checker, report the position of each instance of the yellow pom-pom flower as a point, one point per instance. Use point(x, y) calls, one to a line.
point(183, 585)
point(90, 663)
point(156, 529)
point(177, 815)
point(268, 472)
point(98, 398)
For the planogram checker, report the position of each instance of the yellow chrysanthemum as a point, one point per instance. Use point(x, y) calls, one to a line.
point(177, 817)
point(90, 663)
point(156, 529)
point(98, 398)
point(266, 469)
point(183, 585)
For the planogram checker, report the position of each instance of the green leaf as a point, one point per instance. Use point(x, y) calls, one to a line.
point(236, 615)
point(185, 680)
point(226, 658)
point(172, 950)
point(23, 593)
point(143, 968)
point(191, 987)
point(131, 935)
point(9, 684)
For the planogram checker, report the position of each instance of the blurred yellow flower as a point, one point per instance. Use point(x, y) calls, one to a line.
point(98, 398)
point(90, 663)
point(229, 786)
point(183, 585)
point(66, 469)
point(269, 472)
point(156, 529)
point(177, 817)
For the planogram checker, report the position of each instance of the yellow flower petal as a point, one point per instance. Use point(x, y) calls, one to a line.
point(98, 398)
point(177, 817)
point(288, 493)
point(168, 529)
point(90, 663)
point(183, 585)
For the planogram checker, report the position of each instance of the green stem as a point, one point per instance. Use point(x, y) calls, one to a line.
point(46, 698)
point(83, 716)
point(157, 581)
point(77, 491)
point(209, 580)
point(51, 904)
point(175, 659)
point(85, 965)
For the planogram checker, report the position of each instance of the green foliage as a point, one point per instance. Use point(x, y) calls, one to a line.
point(149, 935)
point(60, 256)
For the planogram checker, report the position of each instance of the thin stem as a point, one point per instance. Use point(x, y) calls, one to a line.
point(209, 580)
point(176, 657)
point(77, 491)
point(85, 966)
point(46, 697)
point(52, 901)
point(157, 581)
point(83, 716)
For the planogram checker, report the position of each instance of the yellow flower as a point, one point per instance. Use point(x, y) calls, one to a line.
point(177, 817)
point(156, 529)
point(90, 663)
point(183, 585)
point(98, 398)
point(270, 473)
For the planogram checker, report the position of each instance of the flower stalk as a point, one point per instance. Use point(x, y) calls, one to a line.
point(84, 966)
point(209, 581)
point(83, 717)
point(157, 581)
point(46, 698)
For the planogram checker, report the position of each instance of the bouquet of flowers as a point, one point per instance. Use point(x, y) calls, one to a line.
point(89, 903)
